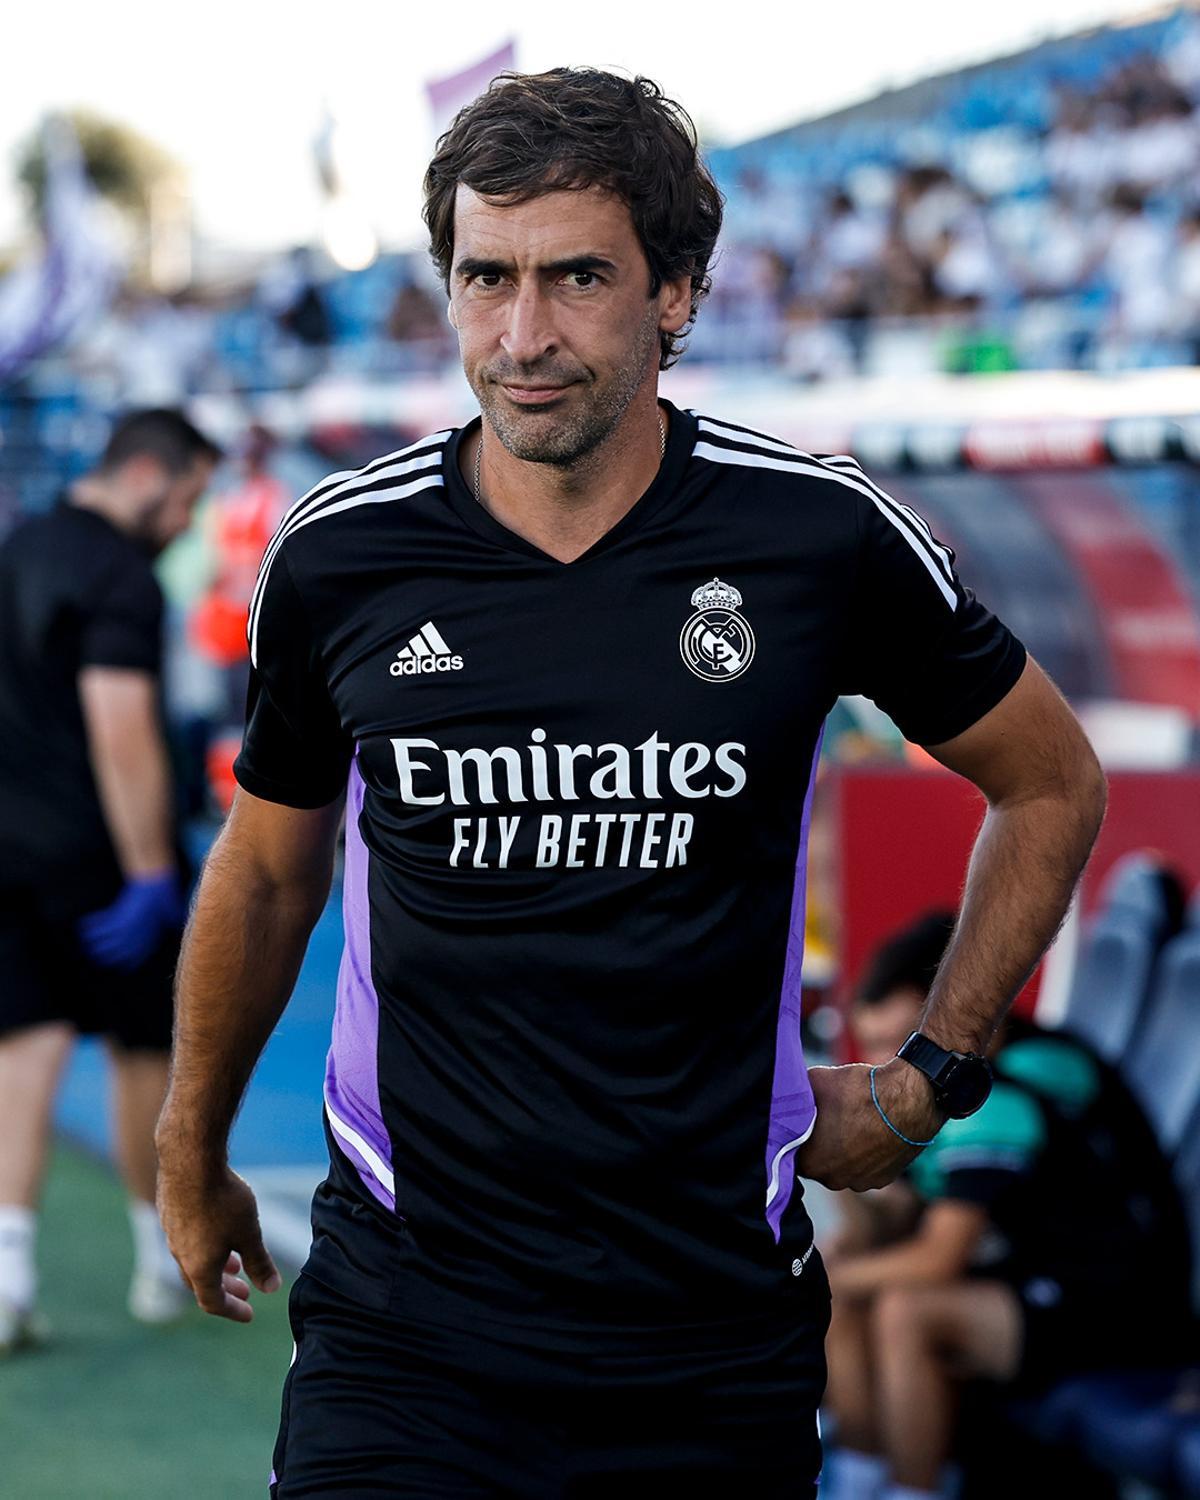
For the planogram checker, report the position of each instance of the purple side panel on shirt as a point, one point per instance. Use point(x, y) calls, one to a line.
point(352, 1067)
point(792, 1109)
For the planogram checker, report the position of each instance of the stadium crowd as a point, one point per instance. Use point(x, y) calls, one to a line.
point(1080, 243)
point(1043, 214)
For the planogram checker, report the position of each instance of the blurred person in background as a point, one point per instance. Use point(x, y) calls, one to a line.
point(241, 522)
point(1186, 261)
point(1010, 1249)
point(92, 884)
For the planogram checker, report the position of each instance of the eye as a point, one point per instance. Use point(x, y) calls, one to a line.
point(488, 280)
point(583, 281)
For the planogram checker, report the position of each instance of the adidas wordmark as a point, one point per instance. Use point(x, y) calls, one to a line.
point(426, 652)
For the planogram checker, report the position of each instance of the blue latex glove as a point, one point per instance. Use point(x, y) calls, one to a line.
point(125, 934)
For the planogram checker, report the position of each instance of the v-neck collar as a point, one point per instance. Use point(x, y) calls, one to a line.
point(680, 442)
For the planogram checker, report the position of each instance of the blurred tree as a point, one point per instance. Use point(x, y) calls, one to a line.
point(125, 166)
point(144, 184)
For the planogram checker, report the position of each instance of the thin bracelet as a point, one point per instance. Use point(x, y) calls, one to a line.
point(888, 1123)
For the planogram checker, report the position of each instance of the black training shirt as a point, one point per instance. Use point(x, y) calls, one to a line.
point(566, 1082)
point(74, 592)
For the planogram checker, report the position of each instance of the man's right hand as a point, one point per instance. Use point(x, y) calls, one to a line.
point(211, 1224)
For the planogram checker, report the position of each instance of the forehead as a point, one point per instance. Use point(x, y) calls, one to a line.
point(887, 1009)
point(550, 227)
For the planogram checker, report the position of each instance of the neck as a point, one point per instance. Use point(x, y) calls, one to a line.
point(565, 510)
point(92, 493)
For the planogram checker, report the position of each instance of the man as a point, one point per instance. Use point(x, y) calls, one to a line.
point(572, 661)
point(1040, 1212)
point(91, 889)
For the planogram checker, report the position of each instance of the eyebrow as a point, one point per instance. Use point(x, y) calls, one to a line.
point(471, 265)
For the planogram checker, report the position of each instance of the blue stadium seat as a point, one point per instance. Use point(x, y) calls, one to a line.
point(1140, 884)
point(1140, 908)
point(1130, 1426)
point(1126, 1422)
point(1187, 1175)
point(1112, 981)
point(1163, 1067)
point(1187, 1461)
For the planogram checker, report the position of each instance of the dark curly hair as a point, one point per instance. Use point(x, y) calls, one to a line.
point(571, 128)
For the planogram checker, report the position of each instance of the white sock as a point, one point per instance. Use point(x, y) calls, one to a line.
point(906, 1492)
point(18, 1273)
point(150, 1253)
point(858, 1476)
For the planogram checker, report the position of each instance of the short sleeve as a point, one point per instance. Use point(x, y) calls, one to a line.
point(294, 750)
point(920, 644)
point(982, 1158)
point(122, 622)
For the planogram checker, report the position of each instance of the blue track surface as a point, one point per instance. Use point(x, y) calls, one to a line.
point(280, 1123)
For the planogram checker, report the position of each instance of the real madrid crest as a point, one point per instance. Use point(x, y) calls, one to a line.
point(717, 643)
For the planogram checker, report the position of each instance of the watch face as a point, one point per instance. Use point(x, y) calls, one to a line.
point(967, 1086)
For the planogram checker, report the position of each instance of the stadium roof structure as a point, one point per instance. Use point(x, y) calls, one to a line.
point(1073, 58)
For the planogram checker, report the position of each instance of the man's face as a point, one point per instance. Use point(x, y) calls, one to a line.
point(882, 1028)
point(556, 327)
point(166, 501)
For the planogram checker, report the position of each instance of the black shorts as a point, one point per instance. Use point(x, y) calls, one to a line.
point(378, 1405)
point(1072, 1330)
point(47, 977)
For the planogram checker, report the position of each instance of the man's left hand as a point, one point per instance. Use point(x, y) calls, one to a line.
point(850, 1146)
point(125, 934)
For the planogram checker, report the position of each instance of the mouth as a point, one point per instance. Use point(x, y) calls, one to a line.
point(534, 395)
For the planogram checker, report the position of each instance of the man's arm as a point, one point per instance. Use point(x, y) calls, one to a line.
point(264, 886)
point(872, 1219)
point(1046, 798)
point(130, 766)
point(938, 1251)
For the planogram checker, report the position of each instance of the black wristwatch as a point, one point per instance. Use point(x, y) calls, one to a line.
point(961, 1081)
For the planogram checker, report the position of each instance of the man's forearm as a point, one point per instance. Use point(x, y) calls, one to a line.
point(133, 782)
point(241, 955)
point(907, 1264)
point(130, 766)
point(1023, 871)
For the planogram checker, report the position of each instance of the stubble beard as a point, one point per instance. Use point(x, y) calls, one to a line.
point(565, 439)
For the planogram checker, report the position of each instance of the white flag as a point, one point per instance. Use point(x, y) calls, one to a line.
point(78, 271)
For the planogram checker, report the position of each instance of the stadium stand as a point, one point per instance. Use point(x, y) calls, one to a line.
point(1037, 212)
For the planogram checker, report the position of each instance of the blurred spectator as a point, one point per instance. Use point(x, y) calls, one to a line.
point(1187, 279)
point(1041, 1236)
point(416, 319)
point(1136, 268)
point(155, 347)
point(242, 521)
point(291, 294)
point(92, 877)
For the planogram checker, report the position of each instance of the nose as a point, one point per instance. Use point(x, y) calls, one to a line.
point(530, 333)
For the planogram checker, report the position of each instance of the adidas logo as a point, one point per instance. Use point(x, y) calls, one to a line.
point(426, 652)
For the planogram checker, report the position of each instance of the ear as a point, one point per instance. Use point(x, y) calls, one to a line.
point(142, 473)
point(674, 304)
point(450, 316)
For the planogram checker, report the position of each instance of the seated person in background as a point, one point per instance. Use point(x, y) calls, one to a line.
point(1040, 1237)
